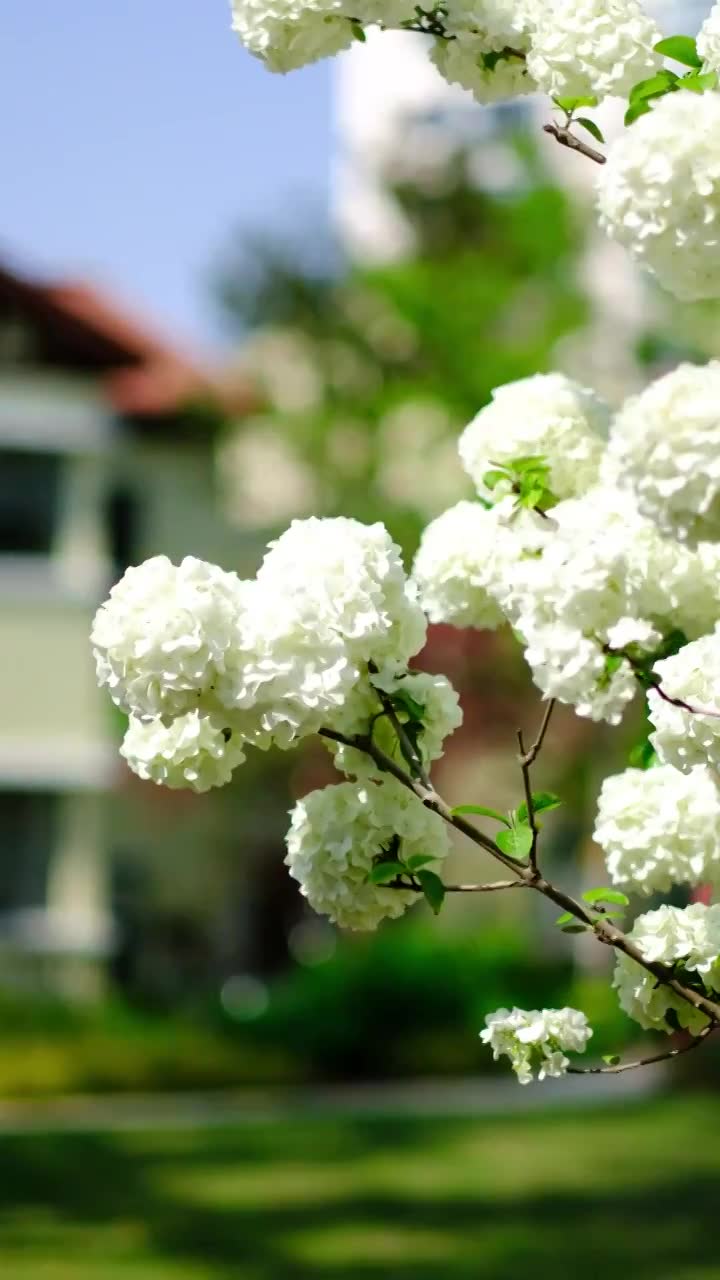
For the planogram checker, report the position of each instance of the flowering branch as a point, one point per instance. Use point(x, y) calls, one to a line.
point(617, 1068)
point(605, 931)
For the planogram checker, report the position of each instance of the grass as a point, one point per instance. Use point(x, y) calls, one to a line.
point(630, 1191)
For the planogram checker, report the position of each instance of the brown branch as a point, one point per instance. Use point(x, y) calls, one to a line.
point(563, 135)
point(605, 931)
point(496, 886)
point(649, 680)
point(693, 1043)
point(527, 760)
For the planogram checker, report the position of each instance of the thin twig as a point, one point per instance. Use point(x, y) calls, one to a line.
point(527, 760)
point(605, 931)
point(648, 679)
point(496, 886)
point(693, 1043)
point(408, 748)
point(563, 135)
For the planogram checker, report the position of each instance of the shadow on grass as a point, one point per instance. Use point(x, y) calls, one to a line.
point(330, 1200)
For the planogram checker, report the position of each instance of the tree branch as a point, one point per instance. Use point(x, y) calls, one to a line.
point(693, 1043)
point(563, 135)
point(527, 760)
point(603, 929)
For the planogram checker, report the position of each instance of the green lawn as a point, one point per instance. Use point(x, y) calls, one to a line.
point(629, 1192)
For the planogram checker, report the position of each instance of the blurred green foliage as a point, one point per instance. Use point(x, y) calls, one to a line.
point(483, 299)
point(407, 1001)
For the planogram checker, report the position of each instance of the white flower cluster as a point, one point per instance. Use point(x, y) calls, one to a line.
point(534, 1040)
point(465, 558)
point(591, 47)
point(338, 834)
point(659, 193)
point(708, 41)
point(688, 937)
point(547, 416)
point(288, 34)
point(487, 49)
point(194, 751)
point(200, 659)
point(690, 735)
point(665, 446)
point(425, 705)
point(660, 827)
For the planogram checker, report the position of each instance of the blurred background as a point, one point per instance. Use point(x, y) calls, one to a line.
point(228, 299)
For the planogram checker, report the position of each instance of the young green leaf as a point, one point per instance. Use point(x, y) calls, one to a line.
point(636, 110)
point(606, 895)
point(492, 479)
point(404, 701)
point(417, 860)
point(517, 842)
point(575, 928)
point(433, 889)
point(572, 104)
point(358, 32)
point(384, 872)
point(612, 1059)
point(591, 127)
point(680, 49)
point(566, 918)
point(655, 86)
point(543, 802)
point(481, 811)
point(699, 83)
point(642, 756)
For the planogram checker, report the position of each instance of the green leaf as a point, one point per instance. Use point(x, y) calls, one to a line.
point(404, 701)
point(532, 498)
point(680, 49)
point(635, 111)
point(591, 127)
point(481, 810)
point(642, 756)
point(572, 104)
point(575, 928)
point(530, 462)
point(358, 32)
point(418, 860)
point(699, 83)
point(654, 87)
point(543, 802)
point(611, 1059)
point(606, 895)
point(433, 889)
point(565, 918)
point(492, 479)
point(517, 842)
point(384, 872)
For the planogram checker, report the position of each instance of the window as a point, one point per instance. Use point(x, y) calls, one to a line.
point(29, 489)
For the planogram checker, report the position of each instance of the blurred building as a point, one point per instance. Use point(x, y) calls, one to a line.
point(106, 457)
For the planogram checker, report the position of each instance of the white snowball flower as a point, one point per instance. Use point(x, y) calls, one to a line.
point(336, 835)
point(591, 47)
point(476, 62)
point(465, 556)
point(194, 751)
point(689, 937)
point(431, 697)
point(572, 668)
point(347, 578)
point(162, 639)
point(534, 1039)
point(547, 416)
point(659, 193)
point(290, 33)
point(659, 827)
point(685, 738)
point(289, 672)
point(665, 446)
point(708, 41)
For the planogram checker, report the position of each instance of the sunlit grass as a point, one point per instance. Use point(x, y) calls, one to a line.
point(628, 1191)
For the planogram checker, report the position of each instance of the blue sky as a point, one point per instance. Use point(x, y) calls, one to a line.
point(136, 134)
